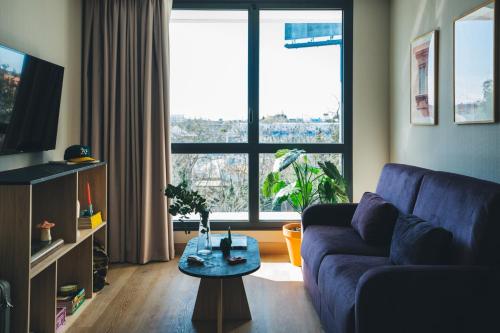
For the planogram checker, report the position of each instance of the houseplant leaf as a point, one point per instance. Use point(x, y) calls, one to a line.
point(287, 159)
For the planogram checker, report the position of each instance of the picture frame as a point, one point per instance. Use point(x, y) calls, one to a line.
point(475, 65)
point(424, 79)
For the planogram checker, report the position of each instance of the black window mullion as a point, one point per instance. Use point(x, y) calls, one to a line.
point(253, 120)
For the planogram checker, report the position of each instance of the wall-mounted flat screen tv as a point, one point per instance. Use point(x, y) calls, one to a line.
point(30, 97)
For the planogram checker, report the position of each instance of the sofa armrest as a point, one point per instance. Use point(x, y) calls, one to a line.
point(328, 214)
point(394, 299)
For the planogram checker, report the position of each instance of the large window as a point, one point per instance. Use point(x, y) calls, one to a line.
point(249, 79)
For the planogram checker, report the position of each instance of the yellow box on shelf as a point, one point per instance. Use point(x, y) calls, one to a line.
point(90, 222)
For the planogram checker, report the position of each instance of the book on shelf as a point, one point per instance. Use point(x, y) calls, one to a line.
point(71, 302)
point(40, 250)
point(90, 222)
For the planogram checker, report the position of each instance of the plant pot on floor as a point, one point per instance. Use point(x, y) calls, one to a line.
point(293, 238)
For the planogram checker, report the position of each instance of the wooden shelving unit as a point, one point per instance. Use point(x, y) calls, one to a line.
point(27, 197)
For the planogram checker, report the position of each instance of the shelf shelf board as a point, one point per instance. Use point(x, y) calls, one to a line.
point(42, 172)
point(54, 256)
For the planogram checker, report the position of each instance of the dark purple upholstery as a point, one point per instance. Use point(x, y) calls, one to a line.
point(337, 281)
point(469, 208)
point(374, 219)
point(399, 184)
point(326, 214)
point(321, 241)
point(355, 288)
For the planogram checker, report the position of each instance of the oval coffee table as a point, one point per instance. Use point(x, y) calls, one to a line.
point(221, 294)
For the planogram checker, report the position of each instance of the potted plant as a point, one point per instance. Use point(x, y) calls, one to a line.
point(184, 202)
point(308, 184)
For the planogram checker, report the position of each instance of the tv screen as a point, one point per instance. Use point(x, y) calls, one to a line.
point(30, 96)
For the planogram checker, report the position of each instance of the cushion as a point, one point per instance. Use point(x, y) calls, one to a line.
point(338, 278)
point(319, 241)
point(467, 207)
point(374, 219)
point(399, 184)
point(416, 242)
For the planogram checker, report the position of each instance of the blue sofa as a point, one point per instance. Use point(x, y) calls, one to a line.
point(355, 288)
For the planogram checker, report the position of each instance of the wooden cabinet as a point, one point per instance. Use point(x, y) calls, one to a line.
point(48, 192)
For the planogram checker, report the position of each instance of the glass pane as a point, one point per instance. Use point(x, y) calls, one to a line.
point(209, 76)
point(221, 178)
point(286, 211)
point(300, 76)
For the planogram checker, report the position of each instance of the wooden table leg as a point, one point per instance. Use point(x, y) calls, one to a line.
point(220, 307)
point(221, 299)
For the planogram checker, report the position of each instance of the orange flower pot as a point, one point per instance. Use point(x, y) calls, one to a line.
point(293, 238)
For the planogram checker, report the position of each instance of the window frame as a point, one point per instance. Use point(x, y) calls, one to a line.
point(253, 147)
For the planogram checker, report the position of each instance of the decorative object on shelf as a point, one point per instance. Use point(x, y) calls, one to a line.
point(77, 208)
point(89, 201)
point(60, 318)
point(186, 201)
point(424, 83)
point(45, 235)
point(78, 154)
point(308, 184)
point(475, 53)
point(101, 265)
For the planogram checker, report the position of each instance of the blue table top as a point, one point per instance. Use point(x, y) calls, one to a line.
point(216, 266)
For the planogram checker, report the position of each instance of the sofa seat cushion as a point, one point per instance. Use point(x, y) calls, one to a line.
point(337, 281)
point(320, 241)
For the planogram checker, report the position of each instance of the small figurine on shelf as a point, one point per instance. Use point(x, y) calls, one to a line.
point(45, 235)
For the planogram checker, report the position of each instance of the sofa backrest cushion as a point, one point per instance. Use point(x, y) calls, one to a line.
point(417, 242)
point(467, 207)
point(399, 184)
point(374, 219)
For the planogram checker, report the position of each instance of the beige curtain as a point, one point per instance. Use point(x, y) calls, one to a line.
point(125, 120)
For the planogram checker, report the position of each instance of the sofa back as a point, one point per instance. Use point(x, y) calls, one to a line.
point(467, 207)
point(399, 184)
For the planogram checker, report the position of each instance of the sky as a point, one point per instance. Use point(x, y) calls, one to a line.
point(474, 58)
point(209, 66)
point(12, 58)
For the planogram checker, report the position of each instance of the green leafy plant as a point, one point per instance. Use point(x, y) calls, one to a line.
point(185, 201)
point(310, 184)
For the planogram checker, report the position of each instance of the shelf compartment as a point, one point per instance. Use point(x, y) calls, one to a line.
point(47, 261)
point(43, 301)
point(73, 267)
point(55, 201)
point(96, 177)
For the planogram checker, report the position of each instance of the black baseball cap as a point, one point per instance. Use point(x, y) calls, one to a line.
point(78, 154)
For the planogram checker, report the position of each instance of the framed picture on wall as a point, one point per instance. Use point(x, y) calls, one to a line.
point(424, 71)
point(474, 66)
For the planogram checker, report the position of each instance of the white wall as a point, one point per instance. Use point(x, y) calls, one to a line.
point(371, 93)
point(50, 30)
point(466, 149)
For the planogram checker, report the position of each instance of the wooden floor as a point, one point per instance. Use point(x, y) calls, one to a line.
point(158, 298)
